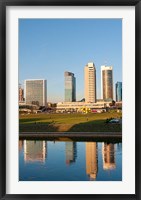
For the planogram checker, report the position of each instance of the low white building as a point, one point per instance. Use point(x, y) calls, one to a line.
point(79, 106)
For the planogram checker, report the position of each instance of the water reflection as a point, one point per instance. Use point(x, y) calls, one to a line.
point(34, 151)
point(20, 145)
point(83, 160)
point(71, 152)
point(108, 153)
point(91, 160)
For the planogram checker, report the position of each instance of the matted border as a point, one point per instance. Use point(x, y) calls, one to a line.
point(3, 97)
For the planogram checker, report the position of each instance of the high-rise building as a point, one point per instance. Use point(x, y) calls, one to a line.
point(70, 87)
point(118, 91)
point(91, 160)
point(35, 92)
point(107, 82)
point(90, 82)
point(108, 154)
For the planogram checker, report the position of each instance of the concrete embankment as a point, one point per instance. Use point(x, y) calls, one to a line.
point(86, 136)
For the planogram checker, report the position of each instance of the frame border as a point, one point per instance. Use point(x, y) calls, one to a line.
point(3, 5)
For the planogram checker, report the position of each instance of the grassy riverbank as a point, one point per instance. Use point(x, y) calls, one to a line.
point(74, 122)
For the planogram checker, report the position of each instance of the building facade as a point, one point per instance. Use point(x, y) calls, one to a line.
point(70, 87)
point(21, 94)
point(90, 82)
point(35, 92)
point(106, 82)
point(118, 91)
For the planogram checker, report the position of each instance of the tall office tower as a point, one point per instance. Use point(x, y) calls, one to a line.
point(70, 87)
point(91, 160)
point(71, 152)
point(90, 82)
point(108, 154)
point(34, 151)
point(106, 82)
point(35, 92)
point(21, 94)
point(119, 91)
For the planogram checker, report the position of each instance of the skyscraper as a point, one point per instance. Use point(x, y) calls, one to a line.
point(106, 82)
point(119, 91)
point(70, 87)
point(90, 82)
point(35, 92)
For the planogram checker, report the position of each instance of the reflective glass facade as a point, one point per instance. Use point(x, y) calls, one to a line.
point(107, 82)
point(119, 91)
point(70, 87)
point(35, 92)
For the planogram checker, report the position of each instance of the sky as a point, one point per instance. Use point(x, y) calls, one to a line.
point(49, 47)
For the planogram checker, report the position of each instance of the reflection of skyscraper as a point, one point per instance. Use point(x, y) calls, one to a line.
point(34, 151)
point(90, 82)
point(108, 153)
point(91, 159)
point(71, 152)
point(106, 82)
point(20, 145)
point(119, 91)
point(70, 87)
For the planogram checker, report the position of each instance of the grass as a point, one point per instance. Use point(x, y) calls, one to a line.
point(75, 122)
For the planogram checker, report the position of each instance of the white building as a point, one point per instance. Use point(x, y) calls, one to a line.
point(78, 106)
point(36, 92)
point(90, 82)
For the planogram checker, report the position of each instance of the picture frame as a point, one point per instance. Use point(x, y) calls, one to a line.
point(3, 100)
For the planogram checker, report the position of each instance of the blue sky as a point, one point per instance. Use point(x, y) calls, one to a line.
point(49, 47)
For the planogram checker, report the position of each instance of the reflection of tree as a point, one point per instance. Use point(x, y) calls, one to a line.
point(108, 154)
point(71, 152)
point(91, 159)
point(34, 151)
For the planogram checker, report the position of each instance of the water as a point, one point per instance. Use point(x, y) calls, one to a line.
point(42, 160)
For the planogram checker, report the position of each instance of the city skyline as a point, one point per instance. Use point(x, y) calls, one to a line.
point(48, 48)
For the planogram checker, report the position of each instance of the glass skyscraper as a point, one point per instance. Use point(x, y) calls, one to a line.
point(70, 87)
point(35, 92)
point(119, 91)
point(106, 82)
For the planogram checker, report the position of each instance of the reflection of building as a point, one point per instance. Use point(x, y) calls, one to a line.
point(35, 92)
point(20, 145)
point(70, 87)
point(34, 151)
point(71, 152)
point(108, 153)
point(106, 82)
point(119, 91)
point(90, 82)
point(91, 160)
